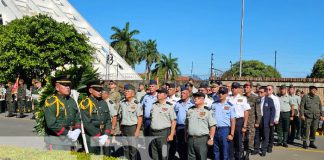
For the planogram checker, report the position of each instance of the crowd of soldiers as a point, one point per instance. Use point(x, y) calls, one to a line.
point(215, 120)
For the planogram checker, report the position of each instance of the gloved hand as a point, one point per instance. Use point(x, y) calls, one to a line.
point(70, 134)
point(102, 140)
point(75, 134)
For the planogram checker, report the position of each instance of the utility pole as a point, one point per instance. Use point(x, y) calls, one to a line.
point(275, 66)
point(211, 65)
point(241, 37)
point(192, 69)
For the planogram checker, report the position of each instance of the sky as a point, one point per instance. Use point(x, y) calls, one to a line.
point(191, 30)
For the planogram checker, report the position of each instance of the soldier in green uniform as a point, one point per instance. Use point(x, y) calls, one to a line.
point(35, 95)
point(311, 112)
point(9, 100)
point(163, 123)
point(62, 119)
point(21, 98)
point(96, 117)
point(200, 126)
point(254, 117)
point(114, 94)
point(131, 117)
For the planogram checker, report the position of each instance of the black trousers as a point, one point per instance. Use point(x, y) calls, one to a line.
point(294, 124)
point(179, 144)
point(257, 139)
point(238, 139)
point(265, 130)
point(271, 137)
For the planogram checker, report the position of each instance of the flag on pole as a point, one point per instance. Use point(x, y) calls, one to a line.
point(15, 87)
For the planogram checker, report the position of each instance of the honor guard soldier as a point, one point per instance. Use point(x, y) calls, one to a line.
point(147, 103)
point(162, 126)
point(242, 108)
point(254, 117)
point(112, 108)
point(21, 98)
point(201, 128)
point(181, 109)
point(224, 114)
point(131, 117)
point(35, 95)
point(311, 112)
point(10, 100)
point(61, 116)
point(96, 117)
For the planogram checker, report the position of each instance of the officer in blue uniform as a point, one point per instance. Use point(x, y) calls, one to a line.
point(181, 109)
point(147, 104)
point(225, 115)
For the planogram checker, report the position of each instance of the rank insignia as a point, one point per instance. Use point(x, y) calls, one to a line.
point(226, 108)
point(202, 114)
point(164, 109)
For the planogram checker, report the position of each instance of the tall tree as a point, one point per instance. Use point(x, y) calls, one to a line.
point(167, 66)
point(150, 55)
point(318, 69)
point(35, 46)
point(125, 43)
point(252, 68)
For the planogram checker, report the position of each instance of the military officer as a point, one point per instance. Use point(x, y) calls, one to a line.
point(286, 114)
point(61, 116)
point(112, 108)
point(311, 112)
point(131, 116)
point(163, 125)
point(21, 98)
point(242, 108)
point(114, 94)
point(224, 114)
point(254, 117)
point(141, 92)
point(201, 128)
point(147, 103)
point(10, 100)
point(296, 119)
point(203, 89)
point(35, 95)
point(96, 117)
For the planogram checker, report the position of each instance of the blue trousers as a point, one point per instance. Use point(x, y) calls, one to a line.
point(221, 144)
point(147, 126)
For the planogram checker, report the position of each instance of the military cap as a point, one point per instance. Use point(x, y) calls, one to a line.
point(283, 86)
point(236, 85)
point(171, 85)
point(105, 89)
point(249, 84)
point(152, 82)
point(222, 90)
point(218, 82)
point(162, 90)
point(198, 94)
point(203, 85)
point(312, 87)
point(129, 87)
point(291, 86)
point(61, 79)
point(184, 88)
point(112, 81)
point(94, 83)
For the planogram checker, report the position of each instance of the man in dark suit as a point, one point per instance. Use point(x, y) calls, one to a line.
point(268, 113)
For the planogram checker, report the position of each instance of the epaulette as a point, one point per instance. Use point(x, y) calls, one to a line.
point(55, 100)
point(50, 101)
point(205, 107)
point(135, 101)
point(84, 104)
point(156, 102)
point(111, 102)
point(192, 107)
point(168, 103)
point(229, 103)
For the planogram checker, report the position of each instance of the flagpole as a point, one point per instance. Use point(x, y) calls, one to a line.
point(241, 37)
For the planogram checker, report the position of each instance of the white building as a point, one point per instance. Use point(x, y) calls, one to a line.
point(63, 11)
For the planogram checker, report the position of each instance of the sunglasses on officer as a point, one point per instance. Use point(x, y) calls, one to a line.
point(65, 84)
point(98, 89)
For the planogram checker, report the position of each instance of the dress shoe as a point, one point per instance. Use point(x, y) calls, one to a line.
point(312, 145)
point(305, 146)
point(247, 155)
point(263, 154)
point(285, 145)
point(278, 144)
point(269, 150)
point(255, 152)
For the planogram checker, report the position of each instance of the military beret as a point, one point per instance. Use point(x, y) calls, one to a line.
point(184, 88)
point(236, 85)
point(171, 85)
point(248, 84)
point(283, 86)
point(105, 89)
point(162, 90)
point(129, 87)
point(62, 79)
point(198, 94)
point(222, 90)
point(112, 81)
point(291, 86)
point(203, 85)
point(152, 82)
point(312, 87)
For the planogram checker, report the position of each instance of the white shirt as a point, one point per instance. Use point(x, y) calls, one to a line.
point(240, 104)
point(277, 107)
point(173, 100)
point(261, 105)
point(208, 102)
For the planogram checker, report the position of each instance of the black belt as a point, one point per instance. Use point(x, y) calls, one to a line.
point(128, 125)
point(206, 135)
point(159, 130)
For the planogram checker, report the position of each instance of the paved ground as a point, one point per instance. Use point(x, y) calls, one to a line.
point(16, 129)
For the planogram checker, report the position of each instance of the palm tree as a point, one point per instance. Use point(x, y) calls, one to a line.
point(150, 55)
point(167, 66)
point(125, 44)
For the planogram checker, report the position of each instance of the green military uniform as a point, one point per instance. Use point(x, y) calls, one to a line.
point(21, 99)
point(162, 116)
point(35, 98)
point(254, 118)
point(296, 121)
point(284, 120)
point(115, 97)
point(128, 113)
point(61, 116)
point(311, 108)
point(10, 102)
point(97, 121)
point(198, 122)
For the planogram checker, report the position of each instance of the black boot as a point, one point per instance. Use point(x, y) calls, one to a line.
point(255, 152)
point(305, 146)
point(312, 145)
point(247, 155)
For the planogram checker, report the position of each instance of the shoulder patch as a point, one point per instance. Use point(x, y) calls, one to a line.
point(229, 103)
point(168, 103)
point(111, 102)
point(205, 107)
point(135, 101)
point(156, 102)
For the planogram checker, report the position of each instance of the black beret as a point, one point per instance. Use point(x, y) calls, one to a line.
point(129, 87)
point(198, 94)
point(162, 90)
point(236, 85)
point(152, 82)
point(223, 90)
point(312, 87)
